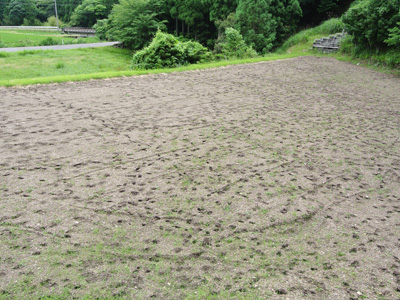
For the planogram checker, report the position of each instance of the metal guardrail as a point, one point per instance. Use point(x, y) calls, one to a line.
point(41, 28)
point(79, 30)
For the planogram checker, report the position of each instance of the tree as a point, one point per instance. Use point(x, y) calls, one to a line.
point(233, 45)
point(316, 11)
point(3, 8)
point(394, 36)
point(16, 11)
point(134, 22)
point(66, 8)
point(101, 28)
point(167, 51)
point(371, 22)
point(90, 11)
point(221, 9)
point(194, 19)
point(45, 9)
point(266, 23)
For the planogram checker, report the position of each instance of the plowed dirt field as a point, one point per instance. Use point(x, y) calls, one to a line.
point(275, 180)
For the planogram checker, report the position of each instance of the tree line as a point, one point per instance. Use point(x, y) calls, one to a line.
point(263, 23)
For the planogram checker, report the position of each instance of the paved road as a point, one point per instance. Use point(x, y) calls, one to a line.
point(60, 47)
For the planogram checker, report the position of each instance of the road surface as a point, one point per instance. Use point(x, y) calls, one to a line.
point(60, 47)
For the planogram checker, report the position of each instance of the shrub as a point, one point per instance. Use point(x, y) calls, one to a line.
point(195, 52)
point(372, 21)
point(387, 58)
point(394, 36)
point(233, 45)
point(101, 28)
point(60, 65)
point(48, 42)
point(265, 24)
point(52, 21)
point(166, 51)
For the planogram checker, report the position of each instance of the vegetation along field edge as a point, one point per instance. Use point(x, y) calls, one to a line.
point(111, 74)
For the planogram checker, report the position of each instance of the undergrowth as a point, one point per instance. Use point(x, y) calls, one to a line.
point(331, 26)
point(389, 58)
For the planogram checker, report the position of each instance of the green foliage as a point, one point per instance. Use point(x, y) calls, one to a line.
point(134, 22)
point(222, 25)
point(90, 11)
point(49, 42)
point(385, 58)
point(167, 51)
point(194, 19)
point(234, 46)
point(316, 11)
point(372, 21)
point(10, 38)
point(52, 21)
point(394, 36)
point(264, 24)
point(65, 9)
point(194, 52)
point(31, 22)
point(16, 11)
point(34, 64)
point(221, 9)
point(101, 28)
point(331, 26)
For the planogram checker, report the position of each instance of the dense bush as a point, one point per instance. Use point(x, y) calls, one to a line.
point(232, 45)
point(52, 21)
point(371, 22)
point(394, 36)
point(386, 58)
point(194, 52)
point(265, 24)
point(49, 42)
point(134, 23)
point(101, 28)
point(167, 51)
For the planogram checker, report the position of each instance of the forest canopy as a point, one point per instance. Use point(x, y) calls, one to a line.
point(264, 24)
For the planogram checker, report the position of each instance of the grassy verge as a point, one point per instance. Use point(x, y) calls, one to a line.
point(10, 38)
point(387, 61)
point(126, 70)
point(41, 66)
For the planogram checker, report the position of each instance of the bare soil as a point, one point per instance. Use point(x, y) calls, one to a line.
point(276, 180)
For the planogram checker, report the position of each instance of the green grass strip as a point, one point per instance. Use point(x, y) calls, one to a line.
point(113, 74)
